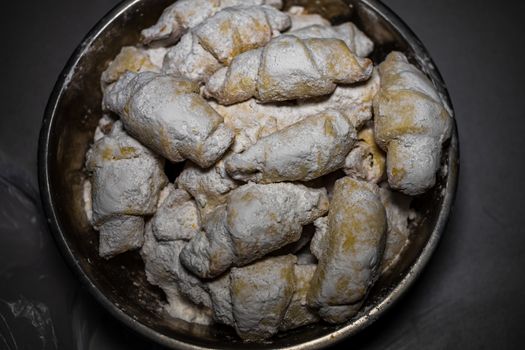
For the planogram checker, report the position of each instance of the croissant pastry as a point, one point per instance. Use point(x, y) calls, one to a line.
point(411, 124)
point(257, 304)
point(216, 41)
point(288, 68)
point(168, 115)
point(176, 19)
point(256, 220)
point(350, 251)
point(355, 39)
point(251, 120)
point(126, 179)
point(303, 151)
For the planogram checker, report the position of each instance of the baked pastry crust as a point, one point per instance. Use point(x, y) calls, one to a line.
point(411, 125)
point(182, 15)
point(288, 68)
point(219, 39)
point(168, 115)
point(350, 251)
point(256, 220)
point(306, 150)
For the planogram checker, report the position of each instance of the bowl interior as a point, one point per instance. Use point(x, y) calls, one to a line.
point(120, 283)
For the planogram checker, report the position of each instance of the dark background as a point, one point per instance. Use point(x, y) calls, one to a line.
point(471, 294)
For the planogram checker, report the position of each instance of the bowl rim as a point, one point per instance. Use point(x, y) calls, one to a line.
point(327, 340)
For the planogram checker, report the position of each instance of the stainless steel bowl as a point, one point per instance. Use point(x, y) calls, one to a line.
point(120, 284)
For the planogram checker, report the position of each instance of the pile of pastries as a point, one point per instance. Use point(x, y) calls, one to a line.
point(300, 159)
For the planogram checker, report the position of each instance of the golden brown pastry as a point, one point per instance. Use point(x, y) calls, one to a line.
point(308, 149)
point(168, 115)
point(411, 125)
point(351, 250)
point(256, 220)
point(186, 14)
point(288, 68)
point(217, 40)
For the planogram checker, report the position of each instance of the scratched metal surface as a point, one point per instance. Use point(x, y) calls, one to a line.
point(471, 294)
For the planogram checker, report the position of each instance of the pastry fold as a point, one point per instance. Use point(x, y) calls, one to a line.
point(216, 41)
point(182, 15)
point(168, 115)
point(306, 150)
point(256, 220)
point(209, 187)
point(187, 296)
point(288, 68)
point(399, 214)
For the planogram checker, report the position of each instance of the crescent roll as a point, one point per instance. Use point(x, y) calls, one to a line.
point(216, 41)
point(411, 125)
point(303, 151)
point(288, 68)
point(182, 15)
point(126, 179)
point(351, 250)
point(168, 115)
point(256, 220)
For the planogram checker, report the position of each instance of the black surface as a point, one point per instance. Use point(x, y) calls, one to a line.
point(471, 294)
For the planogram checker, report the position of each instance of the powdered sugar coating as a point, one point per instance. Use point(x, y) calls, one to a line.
point(288, 68)
point(126, 177)
point(163, 269)
point(209, 187)
point(167, 114)
point(411, 125)
point(177, 217)
point(351, 252)
point(308, 149)
point(301, 18)
point(366, 161)
point(355, 39)
point(186, 14)
point(256, 220)
point(398, 213)
point(217, 40)
point(251, 120)
point(298, 313)
point(259, 299)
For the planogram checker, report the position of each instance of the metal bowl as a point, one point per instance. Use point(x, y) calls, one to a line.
point(120, 284)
